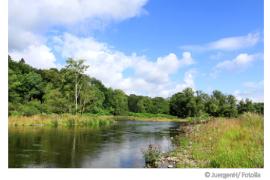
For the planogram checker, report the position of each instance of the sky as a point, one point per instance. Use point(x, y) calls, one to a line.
point(147, 47)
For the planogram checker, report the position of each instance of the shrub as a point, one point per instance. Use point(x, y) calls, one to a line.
point(31, 108)
point(152, 155)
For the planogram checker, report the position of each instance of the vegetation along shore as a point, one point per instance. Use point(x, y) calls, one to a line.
point(70, 91)
point(220, 143)
point(217, 129)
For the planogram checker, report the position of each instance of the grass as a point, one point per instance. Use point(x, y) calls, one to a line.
point(85, 120)
point(225, 143)
point(150, 117)
point(65, 120)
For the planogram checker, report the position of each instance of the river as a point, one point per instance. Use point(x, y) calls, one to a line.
point(118, 146)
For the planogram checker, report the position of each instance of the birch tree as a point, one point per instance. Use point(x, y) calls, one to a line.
point(77, 69)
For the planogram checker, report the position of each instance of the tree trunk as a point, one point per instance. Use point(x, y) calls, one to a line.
point(76, 97)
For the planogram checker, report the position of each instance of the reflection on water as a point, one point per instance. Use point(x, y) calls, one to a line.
point(119, 146)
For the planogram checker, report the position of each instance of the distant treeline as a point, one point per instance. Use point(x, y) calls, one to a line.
point(70, 90)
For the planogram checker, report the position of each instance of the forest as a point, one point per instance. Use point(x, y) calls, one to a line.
point(69, 90)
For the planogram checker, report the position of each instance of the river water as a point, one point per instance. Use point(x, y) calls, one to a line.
point(118, 146)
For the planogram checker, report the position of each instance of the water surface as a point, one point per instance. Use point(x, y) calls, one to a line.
point(119, 146)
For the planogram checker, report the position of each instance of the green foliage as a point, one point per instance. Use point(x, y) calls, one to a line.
point(91, 98)
point(160, 106)
point(143, 104)
point(183, 104)
point(31, 108)
point(227, 143)
point(241, 146)
point(69, 90)
point(152, 155)
point(64, 120)
point(249, 106)
point(54, 101)
point(150, 115)
point(117, 102)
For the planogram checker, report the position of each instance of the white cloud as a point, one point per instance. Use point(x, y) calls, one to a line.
point(20, 39)
point(252, 90)
point(29, 13)
point(227, 44)
point(29, 19)
point(240, 62)
point(188, 82)
point(37, 56)
point(108, 65)
point(162, 68)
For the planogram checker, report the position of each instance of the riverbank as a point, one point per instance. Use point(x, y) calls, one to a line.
point(85, 120)
point(150, 117)
point(220, 143)
point(64, 120)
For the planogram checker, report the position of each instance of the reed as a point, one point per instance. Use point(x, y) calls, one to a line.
point(225, 143)
point(64, 120)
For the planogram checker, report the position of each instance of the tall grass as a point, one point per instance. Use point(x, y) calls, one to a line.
point(149, 117)
point(229, 143)
point(65, 120)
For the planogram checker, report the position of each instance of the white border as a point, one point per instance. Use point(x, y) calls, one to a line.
point(124, 174)
point(3, 84)
point(266, 84)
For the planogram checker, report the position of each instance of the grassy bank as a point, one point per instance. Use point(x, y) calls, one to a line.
point(65, 120)
point(150, 117)
point(86, 120)
point(221, 143)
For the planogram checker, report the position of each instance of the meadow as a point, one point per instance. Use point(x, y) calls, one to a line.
point(222, 143)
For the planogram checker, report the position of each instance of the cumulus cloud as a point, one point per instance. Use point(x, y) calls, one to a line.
point(37, 56)
point(108, 65)
point(227, 44)
point(241, 61)
point(252, 90)
point(29, 19)
point(162, 68)
point(29, 13)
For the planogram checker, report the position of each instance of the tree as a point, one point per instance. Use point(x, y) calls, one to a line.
point(201, 102)
point(145, 105)
point(52, 76)
point(217, 104)
point(259, 107)
point(54, 101)
point(91, 98)
point(230, 109)
point(133, 103)
point(31, 108)
point(245, 106)
point(183, 104)
point(22, 61)
point(160, 106)
point(77, 69)
point(117, 102)
point(69, 90)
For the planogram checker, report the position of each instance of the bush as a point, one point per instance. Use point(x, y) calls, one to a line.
point(152, 155)
point(31, 108)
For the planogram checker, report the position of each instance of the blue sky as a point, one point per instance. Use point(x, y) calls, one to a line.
point(152, 47)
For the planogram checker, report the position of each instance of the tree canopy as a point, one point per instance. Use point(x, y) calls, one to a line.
point(70, 90)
